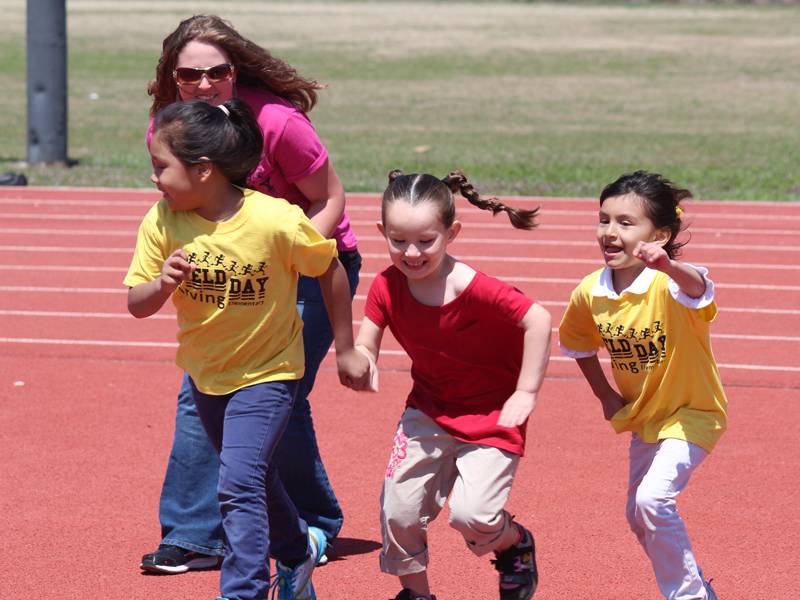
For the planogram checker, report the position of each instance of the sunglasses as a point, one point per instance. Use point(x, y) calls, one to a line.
point(192, 75)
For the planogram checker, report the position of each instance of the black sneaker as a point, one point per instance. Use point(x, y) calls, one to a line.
point(407, 594)
point(173, 560)
point(517, 566)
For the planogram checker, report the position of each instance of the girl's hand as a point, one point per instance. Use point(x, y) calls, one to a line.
point(176, 269)
point(516, 409)
point(353, 369)
point(653, 255)
point(612, 402)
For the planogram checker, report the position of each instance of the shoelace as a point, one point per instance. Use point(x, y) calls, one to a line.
point(274, 586)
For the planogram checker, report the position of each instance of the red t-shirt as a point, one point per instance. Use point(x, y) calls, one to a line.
point(466, 355)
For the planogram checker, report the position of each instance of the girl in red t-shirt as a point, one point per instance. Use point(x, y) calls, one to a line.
point(479, 349)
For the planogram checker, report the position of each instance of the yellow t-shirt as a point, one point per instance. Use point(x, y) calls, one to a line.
point(237, 317)
point(661, 359)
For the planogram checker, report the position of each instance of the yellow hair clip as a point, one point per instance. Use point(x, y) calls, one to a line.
point(678, 211)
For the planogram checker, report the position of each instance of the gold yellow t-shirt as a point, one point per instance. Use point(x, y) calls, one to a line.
point(237, 318)
point(661, 358)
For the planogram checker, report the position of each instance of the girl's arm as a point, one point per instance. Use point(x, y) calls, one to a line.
point(352, 365)
point(535, 355)
point(688, 279)
point(609, 397)
point(324, 191)
point(370, 337)
point(147, 299)
point(369, 343)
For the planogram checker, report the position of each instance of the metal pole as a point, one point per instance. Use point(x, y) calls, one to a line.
point(47, 81)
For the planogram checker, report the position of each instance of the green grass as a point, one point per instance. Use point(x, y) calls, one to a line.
point(527, 98)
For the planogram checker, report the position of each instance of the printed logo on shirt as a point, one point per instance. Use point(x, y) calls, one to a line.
point(217, 279)
point(634, 350)
point(261, 180)
point(399, 452)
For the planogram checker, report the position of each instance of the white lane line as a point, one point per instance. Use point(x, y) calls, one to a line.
point(589, 228)
point(59, 314)
point(692, 213)
point(75, 232)
point(76, 249)
point(62, 290)
point(131, 344)
point(70, 217)
point(366, 277)
point(375, 209)
point(505, 259)
point(150, 193)
point(124, 290)
point(368, 238)
point(596, 263)
point(62, 314)
point(750, 248)
point(63, 342)
point(593, 244)
point(64, 268)
point(108, 203)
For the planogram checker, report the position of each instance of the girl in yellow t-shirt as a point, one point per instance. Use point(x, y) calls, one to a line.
point(229, 259)
point(652, 313)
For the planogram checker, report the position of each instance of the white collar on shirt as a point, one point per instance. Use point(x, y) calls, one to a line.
point(605, 284)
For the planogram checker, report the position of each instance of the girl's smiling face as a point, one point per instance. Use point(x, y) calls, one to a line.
point(417, 238)
point(624, 222)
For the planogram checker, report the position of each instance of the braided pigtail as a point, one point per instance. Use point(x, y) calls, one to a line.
point(457, 182)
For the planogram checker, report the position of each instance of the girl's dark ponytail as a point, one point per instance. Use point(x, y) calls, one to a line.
point(227, 135)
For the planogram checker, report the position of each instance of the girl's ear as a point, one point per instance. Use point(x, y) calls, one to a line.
point(661, 236)
point(380, 227)
point(203, 170)
point(454, 230)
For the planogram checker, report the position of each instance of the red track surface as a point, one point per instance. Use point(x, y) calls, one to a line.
point(87, 400)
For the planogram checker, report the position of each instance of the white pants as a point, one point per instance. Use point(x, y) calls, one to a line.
point(658, 473)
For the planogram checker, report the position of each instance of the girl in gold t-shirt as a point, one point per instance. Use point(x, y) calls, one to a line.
point(230, 261)
point(652, 313)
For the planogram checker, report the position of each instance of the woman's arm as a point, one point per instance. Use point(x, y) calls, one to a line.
point(324, 191)
point(535, 356)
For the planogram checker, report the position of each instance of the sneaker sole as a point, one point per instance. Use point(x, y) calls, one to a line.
point(197, 564)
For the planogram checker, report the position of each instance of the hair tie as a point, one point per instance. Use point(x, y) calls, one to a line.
point(224, 109)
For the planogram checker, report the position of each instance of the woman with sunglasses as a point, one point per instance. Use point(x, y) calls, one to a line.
point(206, 59)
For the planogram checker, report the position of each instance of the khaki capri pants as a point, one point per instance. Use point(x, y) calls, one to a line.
point(426, 466)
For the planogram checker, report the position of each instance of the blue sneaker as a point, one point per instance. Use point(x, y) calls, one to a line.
point(711, 594)
point(295, 583)
point(318, 538)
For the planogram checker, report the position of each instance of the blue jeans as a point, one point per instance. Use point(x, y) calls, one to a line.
point(258, 517)
point(189, 509)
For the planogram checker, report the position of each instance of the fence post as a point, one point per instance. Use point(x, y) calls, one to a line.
point(47, 82)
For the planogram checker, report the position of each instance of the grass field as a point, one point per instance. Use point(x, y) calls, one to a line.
point(546, 99)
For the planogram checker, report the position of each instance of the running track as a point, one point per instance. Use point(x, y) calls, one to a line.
point(87, 399)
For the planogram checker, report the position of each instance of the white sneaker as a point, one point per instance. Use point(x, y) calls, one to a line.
point(319, 540)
